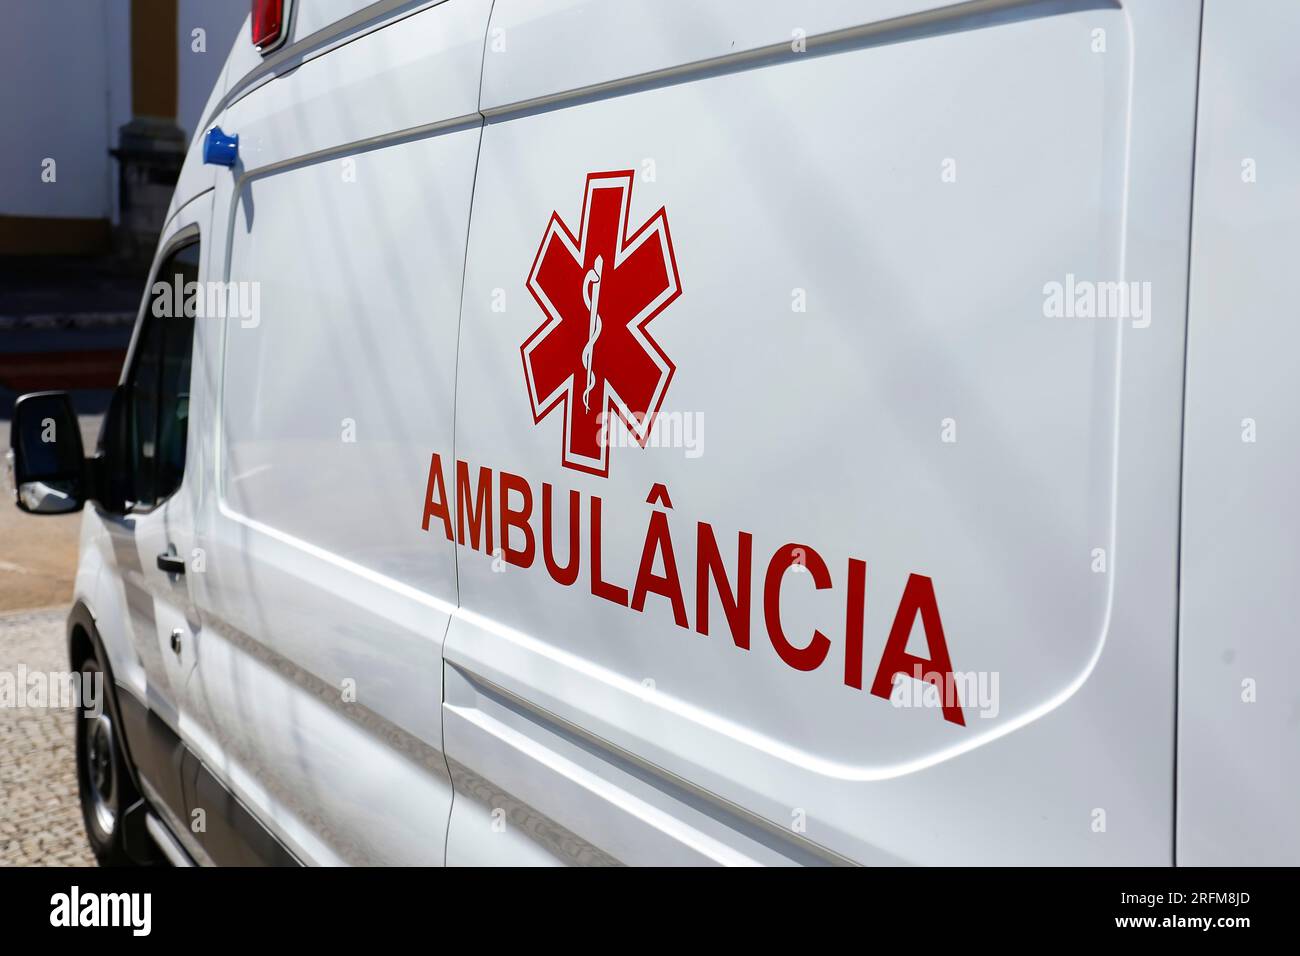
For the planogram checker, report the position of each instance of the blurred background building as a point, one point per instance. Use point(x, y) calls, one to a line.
point(98, 100)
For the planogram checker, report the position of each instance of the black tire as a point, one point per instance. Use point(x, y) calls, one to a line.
point(103, 779)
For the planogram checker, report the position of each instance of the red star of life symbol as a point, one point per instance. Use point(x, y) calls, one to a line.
point(593, 356)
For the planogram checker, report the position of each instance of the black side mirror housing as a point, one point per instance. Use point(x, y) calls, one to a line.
point(46, 456)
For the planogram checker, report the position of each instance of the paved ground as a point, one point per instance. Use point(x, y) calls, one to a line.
point(38, 558)
point(40, 817)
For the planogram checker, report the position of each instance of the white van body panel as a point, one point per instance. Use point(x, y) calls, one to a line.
point(1238, 709)
point(337, 616)
point(559, 47)
point(1052, 459)
point(865, 214)
point(99, 588)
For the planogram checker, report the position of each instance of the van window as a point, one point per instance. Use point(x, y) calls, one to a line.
point(157, 414)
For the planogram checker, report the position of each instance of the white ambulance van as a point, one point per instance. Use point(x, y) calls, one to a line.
point(729, 432)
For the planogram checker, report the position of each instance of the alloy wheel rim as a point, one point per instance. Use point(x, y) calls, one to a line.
point(101, 769)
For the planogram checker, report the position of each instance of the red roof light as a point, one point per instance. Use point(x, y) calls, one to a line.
point(268, 23)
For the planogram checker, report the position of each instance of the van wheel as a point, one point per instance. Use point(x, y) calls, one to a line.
point(102, 778)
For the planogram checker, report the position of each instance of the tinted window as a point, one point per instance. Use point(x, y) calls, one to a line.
point(157, 416)
point(142, 416)
point(174, 402)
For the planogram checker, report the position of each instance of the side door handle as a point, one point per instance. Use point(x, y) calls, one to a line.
point(171, 563)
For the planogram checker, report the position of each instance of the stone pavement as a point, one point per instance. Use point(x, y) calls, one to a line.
point(40, 816)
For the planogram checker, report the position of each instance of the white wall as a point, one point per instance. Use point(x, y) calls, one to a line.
point(65, 90)
point(223, 24)
point(117, 43)
point(60, 94)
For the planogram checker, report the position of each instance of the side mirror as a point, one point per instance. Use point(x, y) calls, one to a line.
point(45, 455)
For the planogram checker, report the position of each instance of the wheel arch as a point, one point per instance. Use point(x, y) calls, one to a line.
point(83, 642)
